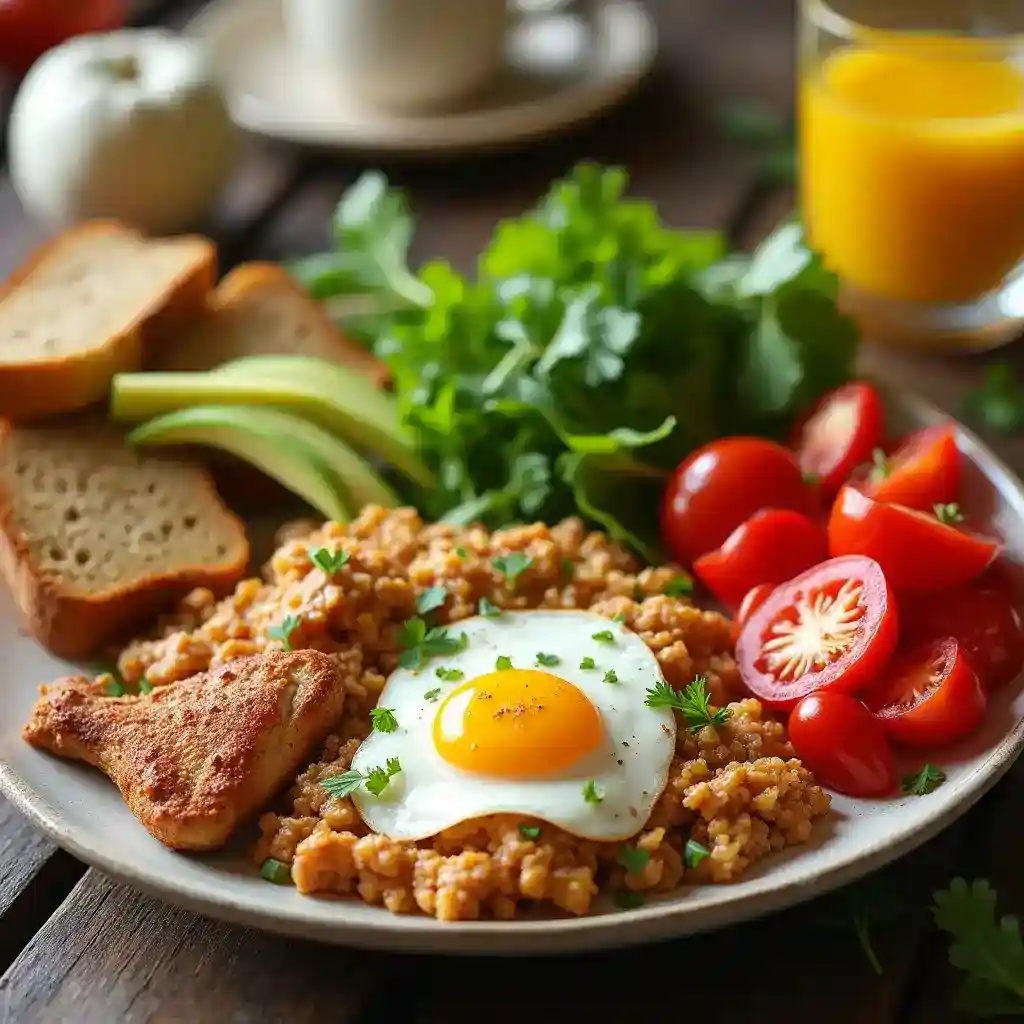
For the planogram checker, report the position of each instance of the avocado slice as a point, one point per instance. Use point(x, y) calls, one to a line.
point(307, 460)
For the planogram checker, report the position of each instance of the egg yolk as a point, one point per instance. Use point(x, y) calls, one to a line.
point(516, 723)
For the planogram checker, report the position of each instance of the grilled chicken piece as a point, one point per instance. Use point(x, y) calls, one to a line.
point(197, 757)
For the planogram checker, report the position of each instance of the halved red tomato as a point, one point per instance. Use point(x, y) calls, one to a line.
point(772, 546)
point(30, 27)
point(916, 550)
point(929, 696)
point(840, 433)
point(832, 627)
point(923, 471)
point(982, 618)
point(755, 597)
point(724, 483)
point(839, 740)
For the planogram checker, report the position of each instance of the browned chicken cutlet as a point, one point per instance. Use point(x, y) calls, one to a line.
point(196, 758)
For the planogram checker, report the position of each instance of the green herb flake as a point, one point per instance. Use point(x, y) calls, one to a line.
point(276, 871)
point(432, 695)
point(620, 618)
point(606, 636)
point(568, 568)
point(593, 791)
point(285, 630)
point(430, 600)
point(681, 586)
point(421, 643)
point(383, 719)
point(488, 609)
point(461, 552)
point(530, 831)
point(504, 663)
point(927, 780)
point(694, 853)
point(588, 663)
point(449, 675)
point(693, 702)
point(634, 860)
point(998, 405)
point(626, 899)
point(547, 660)
point(331, 562)
point(378, 779)
point(610, 676)
point(949, 514)
point(512, 566)
point(145, 686)
point(114, 689)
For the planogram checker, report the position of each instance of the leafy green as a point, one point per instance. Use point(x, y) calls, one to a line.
point(693, 702)
point(592, 349)
point(997, 405)
point(922, 782)
point(765, 134)
point(421, 643)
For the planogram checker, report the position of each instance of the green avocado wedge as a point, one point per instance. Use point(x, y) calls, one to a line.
point(339, 400)
point(311, 463)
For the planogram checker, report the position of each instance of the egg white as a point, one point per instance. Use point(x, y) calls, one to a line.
point(630, 765)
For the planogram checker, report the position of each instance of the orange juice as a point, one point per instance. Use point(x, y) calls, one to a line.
point(912, 167)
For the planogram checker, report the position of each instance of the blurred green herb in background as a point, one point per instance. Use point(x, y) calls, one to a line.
point(998, 405)
point(765, 134)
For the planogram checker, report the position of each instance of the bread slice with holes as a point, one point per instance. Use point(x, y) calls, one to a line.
point(86, 306)
point(260, 309)
point(96, 538)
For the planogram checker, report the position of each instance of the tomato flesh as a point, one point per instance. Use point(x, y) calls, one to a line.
point(30, 27)
point(832, 627)
point(930, 696)
point(772, 546)
point(723, 484)
point(915, 550)
point(983, 620)
point(924, 471)
point(841, 432)
point(839, 740)
point(755, 597)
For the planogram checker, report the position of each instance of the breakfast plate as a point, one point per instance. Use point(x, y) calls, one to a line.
point(84, 813)
point(554, 78)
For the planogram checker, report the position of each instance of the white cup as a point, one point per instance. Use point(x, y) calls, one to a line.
point(410, 55)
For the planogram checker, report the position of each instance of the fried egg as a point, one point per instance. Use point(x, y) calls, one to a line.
point(539, 713)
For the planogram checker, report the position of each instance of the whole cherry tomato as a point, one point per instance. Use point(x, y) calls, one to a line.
point(922, 472)
point(724, 483)
point(832, 627)
point(840, 433)
point(916, 550)
point(929, 696)
point(30, 27)
point(981, 617)
point(772, 546)
point(755, 597)
point(839, 740)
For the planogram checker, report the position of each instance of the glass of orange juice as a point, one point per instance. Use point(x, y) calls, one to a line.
point(912, 163)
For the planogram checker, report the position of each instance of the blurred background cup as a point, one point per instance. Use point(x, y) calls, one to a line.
point(413, 55)
point(912, 163)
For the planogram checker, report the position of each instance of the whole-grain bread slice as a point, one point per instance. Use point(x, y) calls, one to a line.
point(95, 538)
point(260, 309)
point(86, 305)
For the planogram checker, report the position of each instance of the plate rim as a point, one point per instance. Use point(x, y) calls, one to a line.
point(667, 919)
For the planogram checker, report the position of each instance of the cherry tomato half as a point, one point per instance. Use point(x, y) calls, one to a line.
point(755, 597)
point(30, 27)
point(772, 546)
point(983, 620)
point(929, 696)
point(839, 740)
point(832, 627)
point(724, 483)
point(922, 472)
point(840, 433)
point(915, 549)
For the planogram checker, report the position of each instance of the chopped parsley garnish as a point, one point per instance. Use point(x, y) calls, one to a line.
point(998, 405)
point(681, 586)
point(634, 860)
point(331, 562)
point(927, 780)
point(588, 663)
point(488, 608)
point(430, 600)
point(530, 831)
point(547, 659)
point(629, 900)
point(503, 663)
point(881, 466)
point(593, 791)
point(383, 719)
point(620, 619)
point(694, 853)
point(692, 702)
point(949, 514)
point(145, 686)
point(512, 566)
point(449, 675)
point(114, 689)
point(568, 568)
point(376, 780)
point(610, 676)
point(461, 552)
point(432, 695)
point(606, 636)
point(421, 643)
point(276, 871)
point(284, 631)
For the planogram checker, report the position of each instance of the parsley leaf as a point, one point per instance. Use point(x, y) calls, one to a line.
point(383, 719)
point(430, 600)
point(343, 784)
point(461, 552)
point(634, 860)
point(610, 676)
point(927, 780)
point(588, 663)
point(547, 660)
point(606, 636)
point(694, 853)
point(681, 586)
point(620, 618)
point(331, 562)
point(284, 631)
point(998, 405)
point(530, 831)
point(593, 791)
point(693, 702)
point(512, 565)
point(949, 514)
point(432, 695)
point(568, 568)
point(504, 663)
point(378, 779)
point(114, 688)
point(449, 675)
point(145, 686)
point(488, 608)
point(421, 643)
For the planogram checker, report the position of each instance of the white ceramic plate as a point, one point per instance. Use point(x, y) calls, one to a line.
point(84, 813)
point(553, 79)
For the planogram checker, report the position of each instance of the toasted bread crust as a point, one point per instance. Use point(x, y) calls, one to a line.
point(43, 387)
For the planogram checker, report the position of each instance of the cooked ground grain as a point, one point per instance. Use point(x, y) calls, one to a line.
point(735, 788)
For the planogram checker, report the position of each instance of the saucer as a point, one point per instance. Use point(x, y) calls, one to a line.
point(556, 75)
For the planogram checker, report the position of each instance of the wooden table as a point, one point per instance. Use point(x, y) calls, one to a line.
point(76, 946)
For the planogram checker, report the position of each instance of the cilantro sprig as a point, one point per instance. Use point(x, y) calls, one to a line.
point(488, 609)
point(421, 643)
point(376, 780)
point(512, 566)
point(383, 719)
point(430, 600)
point(285, 630)
point(331, 562)
point(681, 586)
point(693, 702)
point(548, 660)
point(998, 405)
point(593, 791)
point(925, 781)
